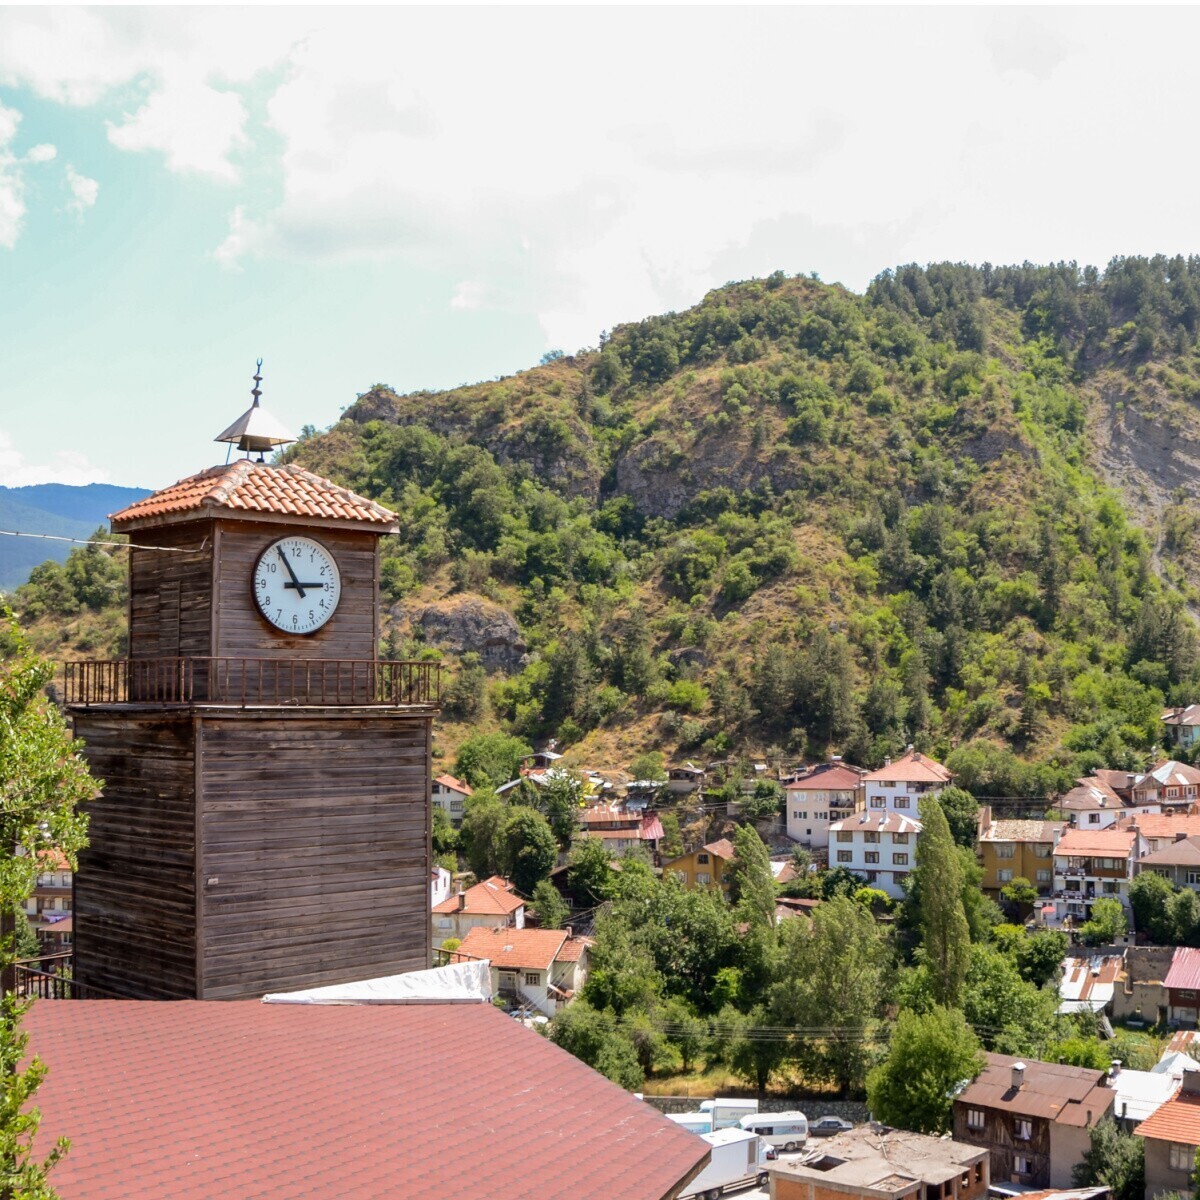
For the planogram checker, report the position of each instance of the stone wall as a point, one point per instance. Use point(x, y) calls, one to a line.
point(852, 1110)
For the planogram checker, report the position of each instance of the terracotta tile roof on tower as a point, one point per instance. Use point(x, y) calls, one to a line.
point(246, 488)
point(912, 767)
point(194, 1100)
point(514, 949)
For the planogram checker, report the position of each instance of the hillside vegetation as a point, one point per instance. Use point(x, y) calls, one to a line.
point(793, 520)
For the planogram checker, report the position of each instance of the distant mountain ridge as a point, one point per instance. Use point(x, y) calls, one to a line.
point(57, 509)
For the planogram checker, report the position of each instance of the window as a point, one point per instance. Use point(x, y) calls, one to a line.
point(445, 922)
point(1193, 877)
point(878, 801)
point(872, 876)
point(1187, 995)
point(899, 877)
point(1005, 876)
point(1023, 1129)
point(871, 836)
point(1005, 849)
point(456, 806)
point(800, 814)
point(702, 859)
point(871, 856)
point(1182, 1158)
point(900, 860)
point(975, 1118)
point(1043, 875)
point(1093, 818)
point(1041, 850)
point(845, 836)
point(902, 802)
point(900, 839)
point(703, 877)
point(532, 978)
point(1109, 887)
point(1022, 1165)
point(845, 856)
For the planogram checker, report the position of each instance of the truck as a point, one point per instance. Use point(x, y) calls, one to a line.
point(737, 1159)
point(726, 1112)
point(695, 1122)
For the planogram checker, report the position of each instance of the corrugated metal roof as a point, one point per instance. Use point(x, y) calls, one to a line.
point(1075, 1096)
point(1185, 970)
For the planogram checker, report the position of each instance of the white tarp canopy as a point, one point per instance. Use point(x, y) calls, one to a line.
point(459, 983)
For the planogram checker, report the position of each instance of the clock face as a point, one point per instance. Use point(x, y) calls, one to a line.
point(297, 585)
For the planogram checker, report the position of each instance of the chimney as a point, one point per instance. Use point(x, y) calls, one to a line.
point(1180, 836)
point(887, 762)
point(1018, 1075)
point(568, 931)
point(462, 899)
point(1115, 1068)
point(1191, 1082)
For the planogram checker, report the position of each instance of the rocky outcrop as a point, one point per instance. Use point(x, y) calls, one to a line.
point(470, 624)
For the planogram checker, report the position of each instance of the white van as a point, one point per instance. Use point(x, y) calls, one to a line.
point(694, 1122)
point(726, 1113)
point(783, 1130)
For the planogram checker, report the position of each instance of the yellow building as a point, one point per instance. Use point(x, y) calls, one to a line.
point(1017, 849)
point(705, 867)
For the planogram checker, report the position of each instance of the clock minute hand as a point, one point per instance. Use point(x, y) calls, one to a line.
point(295, 578)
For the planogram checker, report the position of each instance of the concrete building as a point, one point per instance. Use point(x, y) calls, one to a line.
point(1139, 994)
point(1171, 1136)
point(1017, 849)
point(705, 867)
point(1182, 725)
point(874, 1162)
point(544, 968)
point(1183, 987)
point(1173, 785)
point(1093, 864)
point(898, 786)
point(881, 846)
point(450, 795)
point(817, 799)
point(491, 904)
point(1033, 1118)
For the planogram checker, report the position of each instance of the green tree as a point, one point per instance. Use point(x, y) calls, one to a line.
point(752, 1053)
point(1020, 893)
point(589, 872)
point(1011, 1015)
point(560, 799)
point(25, 944)
point(530, 848)
point(649, 767)
point(1106, 924)
point(552, 911)
point(1183, 911)
point(1039, 956)
point(443, 835)
point(481, 834)
point(930, 1057)
point(593, 1037)
point(751, 884)
point(962, 815)
point(1114, 1160)
point(43, 780)
point(488, 760)
point(1149, 897)
point(685, 1030)
point(764, 802)
point(945, 935)
point(671, 845)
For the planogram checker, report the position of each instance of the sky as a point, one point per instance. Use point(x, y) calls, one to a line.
point(429, 197)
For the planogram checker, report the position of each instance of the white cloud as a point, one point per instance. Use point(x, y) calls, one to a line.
point(83, 191)
point(12, 181)
point(65, 466)
point(468, 295)
point(43, 152)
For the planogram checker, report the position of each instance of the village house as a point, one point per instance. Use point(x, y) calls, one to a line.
point(1139, 1094)
point(1017, 849)
point(1102, 799)
point(1171, 1136)
point(50, 909)
point(450, 794)
point(874, 1162)
point(1178, 861)
point(1093, 864)
point(898, 786)
point(818, 798)
point(544, 968)
point(1182, 725)
point(1033, 1118)
point(621, 829)
point(1173, 785)
point(491, 904)
point(703, 868)
point(1159, 830)
point(440, 881)
point(1183, 987)
point(879, 846)
point(685, 779)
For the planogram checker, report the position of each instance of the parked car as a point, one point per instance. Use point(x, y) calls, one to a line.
point(828, 1126)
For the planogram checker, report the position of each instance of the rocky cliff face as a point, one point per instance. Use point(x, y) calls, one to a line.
point(466, 624)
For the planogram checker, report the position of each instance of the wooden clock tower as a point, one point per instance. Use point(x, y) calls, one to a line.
point(265, 820)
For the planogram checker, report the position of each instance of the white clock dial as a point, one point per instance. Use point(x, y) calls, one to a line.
point(297, 585)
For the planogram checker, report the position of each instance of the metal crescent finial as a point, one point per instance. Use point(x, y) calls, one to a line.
point(255, 392)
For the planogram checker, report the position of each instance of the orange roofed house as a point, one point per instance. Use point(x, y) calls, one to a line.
point(705, 867)
point(817, 799)
point(450, 795)
point(491, 904)
point(898, 786)
point(1033, 1118)
point(1090, 865)
point(1171, 1136)
point(542, 967)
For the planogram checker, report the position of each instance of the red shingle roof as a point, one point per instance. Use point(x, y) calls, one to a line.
point(1162, 825)
point(514, 949)
point(493, 897)
point(912, 767)
point(454, 785)
point(572, 949)
point(246, 488)
point(1185, 969)
point(195, 1100)
point(1176, 1121)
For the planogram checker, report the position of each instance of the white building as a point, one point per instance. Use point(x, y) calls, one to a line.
point(491, 904)
point(541, 967)
point(879, 846)
point(450, 795)
point(439, 886)
point(898, 786)
point(818, 798)
point(1090, 865)
point(1183, 724)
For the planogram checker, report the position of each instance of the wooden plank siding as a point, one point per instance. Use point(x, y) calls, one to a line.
point(170, 594)
point(315, 835)
point(998, 1138)
point(135, 911)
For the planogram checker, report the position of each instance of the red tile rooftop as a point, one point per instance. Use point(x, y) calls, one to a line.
point(246, 488)
point(203, 1100)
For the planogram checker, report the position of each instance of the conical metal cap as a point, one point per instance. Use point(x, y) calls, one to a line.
point(256, 430)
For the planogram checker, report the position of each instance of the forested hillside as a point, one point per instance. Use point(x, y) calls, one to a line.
point(794, 519)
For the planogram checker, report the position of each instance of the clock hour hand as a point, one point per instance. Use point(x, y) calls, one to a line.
point(295, 579)
point(302, 586)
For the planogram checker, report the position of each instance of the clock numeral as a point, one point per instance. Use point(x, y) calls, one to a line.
point(266, 599)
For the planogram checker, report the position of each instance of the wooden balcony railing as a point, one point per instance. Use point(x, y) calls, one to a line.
point(50, 978)
point(252, 681)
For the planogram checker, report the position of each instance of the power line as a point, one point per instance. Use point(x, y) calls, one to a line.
point(54, 537)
